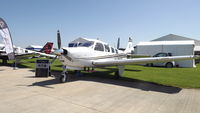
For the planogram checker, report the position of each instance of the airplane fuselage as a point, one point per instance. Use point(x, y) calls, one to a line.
point(84, 55)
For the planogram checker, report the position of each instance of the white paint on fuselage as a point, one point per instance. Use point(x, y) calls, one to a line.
point(84, 56)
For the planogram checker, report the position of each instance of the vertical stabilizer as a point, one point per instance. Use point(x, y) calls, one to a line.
point(118, 43)
point(129, 48)
point(47, 48)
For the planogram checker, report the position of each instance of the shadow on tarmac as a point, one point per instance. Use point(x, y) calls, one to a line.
point(107, 78)
point(104, 77)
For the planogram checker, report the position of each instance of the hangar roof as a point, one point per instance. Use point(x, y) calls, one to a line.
point(172, 37)
point(80, 40)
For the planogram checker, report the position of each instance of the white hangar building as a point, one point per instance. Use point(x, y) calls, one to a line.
point(174, 44)
point(172, 37)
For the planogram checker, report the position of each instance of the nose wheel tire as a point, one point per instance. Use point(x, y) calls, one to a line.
point(64, 77)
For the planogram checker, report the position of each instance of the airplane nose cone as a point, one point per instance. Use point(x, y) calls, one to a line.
point(65, 52)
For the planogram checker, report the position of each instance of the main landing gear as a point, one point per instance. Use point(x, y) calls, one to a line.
point(116, 76)
point(119, 72)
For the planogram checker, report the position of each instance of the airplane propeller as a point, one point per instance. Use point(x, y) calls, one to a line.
point(59, 51)
point(58, 39)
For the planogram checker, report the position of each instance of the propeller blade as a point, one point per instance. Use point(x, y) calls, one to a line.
point(58, 39)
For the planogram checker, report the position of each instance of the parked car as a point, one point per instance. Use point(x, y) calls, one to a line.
point(165, 64)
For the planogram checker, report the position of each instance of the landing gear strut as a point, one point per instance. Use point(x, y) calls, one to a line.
point(119, 72)
point(116, 76)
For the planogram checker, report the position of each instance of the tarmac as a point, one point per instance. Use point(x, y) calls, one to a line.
point(22, 92)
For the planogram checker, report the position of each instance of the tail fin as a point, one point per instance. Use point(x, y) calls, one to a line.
point(118, 43)
point(129, 49)
point(47, 48)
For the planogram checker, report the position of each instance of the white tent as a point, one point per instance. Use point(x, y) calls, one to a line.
point(34, 47)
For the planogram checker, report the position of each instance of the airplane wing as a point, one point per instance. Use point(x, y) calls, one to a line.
point(47, 55)
point(36, 53)
point(26, 55)
point(126, 61)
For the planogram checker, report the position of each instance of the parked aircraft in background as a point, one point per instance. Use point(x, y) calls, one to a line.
point(21, 52)
point(96, 53)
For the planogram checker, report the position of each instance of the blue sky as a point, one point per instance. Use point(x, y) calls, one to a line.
point(34, 22)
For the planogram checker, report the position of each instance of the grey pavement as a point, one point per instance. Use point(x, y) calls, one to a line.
point(21, 92)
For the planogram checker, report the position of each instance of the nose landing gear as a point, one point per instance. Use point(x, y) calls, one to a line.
point(64, 77)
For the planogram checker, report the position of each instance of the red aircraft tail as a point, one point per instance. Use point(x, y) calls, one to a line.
point(47, 48)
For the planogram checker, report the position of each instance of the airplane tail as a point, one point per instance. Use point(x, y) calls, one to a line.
point(129, 49)
point(118, 43)
point(47, 48)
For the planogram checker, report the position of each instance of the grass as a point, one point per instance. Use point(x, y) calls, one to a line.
point(177, 77)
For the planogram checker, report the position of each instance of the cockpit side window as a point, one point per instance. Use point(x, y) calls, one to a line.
point(87, 44)
point(71, 45)
point(107, 49)
point(99, 47)
point(113, 51)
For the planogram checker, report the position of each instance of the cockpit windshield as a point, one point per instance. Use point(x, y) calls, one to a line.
point(87, 44)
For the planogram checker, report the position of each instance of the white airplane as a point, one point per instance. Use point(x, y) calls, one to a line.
point(96, 53)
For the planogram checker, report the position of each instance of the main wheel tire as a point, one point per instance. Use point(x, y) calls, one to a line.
point(63, 77)
point(169, 65)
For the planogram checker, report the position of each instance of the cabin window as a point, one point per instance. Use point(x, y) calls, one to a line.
point(107, 49)
point(99, 47)
point(113, 51)
point(87, 44)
